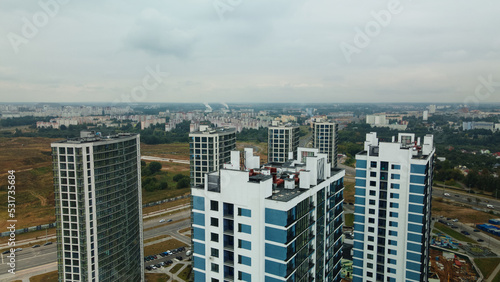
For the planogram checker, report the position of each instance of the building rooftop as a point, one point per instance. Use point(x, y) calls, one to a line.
point(217, 130)
point(92, 136)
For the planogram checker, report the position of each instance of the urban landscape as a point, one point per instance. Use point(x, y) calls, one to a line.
point(354, 192)
point(235, 140)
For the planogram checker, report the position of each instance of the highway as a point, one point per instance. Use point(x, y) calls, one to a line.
point(33, 257)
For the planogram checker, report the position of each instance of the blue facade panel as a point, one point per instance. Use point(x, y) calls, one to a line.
point(415, 237)
point(199, 276)
point(246, 260)
point(246, 212)
point(275, 235)
point(275, 268)
point(246, 276)
point(417, 189)
point(275, 252)
point(414, 247)
point(358, 245)
point(416, 209)
point(359, 209)
point(413, 266)
point(360, 192)
point(361, 173)
point(245, 228)
point(198, 203)
point(247, 245)
point(199, 248)
point(412, 275)
point(276, 217)
point(420, 169)
point(359, 218)
point(360, 183)
point(198, 263)
point(358, 262)
point(199, 233)
point(417, 179)
point(416, 218)
point(198, 218)
point(271, 279)
point(359, 201)
point(414, 257)
point(357, 271)
point(415, 228)
point(360, 164)
point(417, 199)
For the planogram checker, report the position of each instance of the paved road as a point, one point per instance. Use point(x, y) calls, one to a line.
point(29, 257)
point(150, 158)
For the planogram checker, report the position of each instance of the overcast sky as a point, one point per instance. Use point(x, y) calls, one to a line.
point(249, 50)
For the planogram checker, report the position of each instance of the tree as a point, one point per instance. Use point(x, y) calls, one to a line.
point(178, 177)
point(154, 167)
point(183, 183)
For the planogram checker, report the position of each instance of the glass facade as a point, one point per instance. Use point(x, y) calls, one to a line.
point(98, 210)
point(281, 141)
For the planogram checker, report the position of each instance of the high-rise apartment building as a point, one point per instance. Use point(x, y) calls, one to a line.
point(274, 223)
point(392, 214)
point(98, 208)
point(282, 140)
point(209, 149)
point(325, 139)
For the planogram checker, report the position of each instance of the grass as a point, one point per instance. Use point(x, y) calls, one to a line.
point(46, 277)
point(349, 219)
point(457, 235)
point(156, 238)
point(178, 151)
point(184, 274)
point(443, 207)
point(487, 265)
point(40, 234)
point(162, 247)
point(176, 268)
point(349, 190)
point(156, 277)
point(497, 278)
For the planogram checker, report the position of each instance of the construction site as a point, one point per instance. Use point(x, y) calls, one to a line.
point(447, 266)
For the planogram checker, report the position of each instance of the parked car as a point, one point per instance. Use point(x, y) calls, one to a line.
point(35, 246)
point(446, 194)
point(163, 220)
point(480, 240)
point(465, 232)
point(455, 220)
point(5, 252)
point(149, 268)
point(475, 230)
point(18, 249)
point(179, 257)
point(48, 243)
point(490, 206)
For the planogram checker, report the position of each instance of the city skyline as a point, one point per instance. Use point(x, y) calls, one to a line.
point(242, 51)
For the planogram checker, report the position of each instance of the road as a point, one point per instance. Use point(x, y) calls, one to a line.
point(150, 158)
point(33, 257)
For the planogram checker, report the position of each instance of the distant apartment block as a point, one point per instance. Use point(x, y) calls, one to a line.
point(98, 199)
point(278, 222)
point(392, 213)
point(283, 139)
point(209, 149)
point(324, 138)
point(470, 125)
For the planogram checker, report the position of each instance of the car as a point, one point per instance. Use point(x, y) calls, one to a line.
point(170, 220)
point(35, 246)
point(454, 227)
point(446, 194)
point(163, 220)
point(153, 267)
point(5, 252)
point(48, 243)
point(465, 232)
point(149, 268)
point(455, 220)
point(480, 240)
point(490, 206)
point(179, 257)
point(476, 230)
point(448, 218)
point(169, 261)
point(18, 249)
point(188, 253)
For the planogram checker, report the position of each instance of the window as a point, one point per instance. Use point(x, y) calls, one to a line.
point(372, 192)
point(394, 205)
point(214, 237)
point(370, 247)
point(394, 186)
point(373, 183)
point(393, 224)
point(372, 202)
point(371, 238)
point(214, 205)
point(214, 252)
point(371, 220)
point(394, 196)
point(393, 252)
point(369, 256)
point(371, 229)
point(373, 164)
point(393, 233)
point(372, 211)
point(369, 265)
point(215, 267)
point(214, 221)
point(395, 166)
point(373, 174)
point(369, 274)
point(395, 176)
point(393, 214)
point(215, 280)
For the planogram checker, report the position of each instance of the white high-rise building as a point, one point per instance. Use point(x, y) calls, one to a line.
point(282, 139)
point(325, 139)
point(392, 213)
point(209, 149)
point(98, 199)
point(275, 223)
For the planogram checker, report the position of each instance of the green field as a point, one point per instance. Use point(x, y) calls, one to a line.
point(487, 265)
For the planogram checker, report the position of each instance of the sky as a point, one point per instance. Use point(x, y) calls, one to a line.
point(232, 51)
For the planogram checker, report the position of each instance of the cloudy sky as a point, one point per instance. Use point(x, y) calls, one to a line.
point(249, 50)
